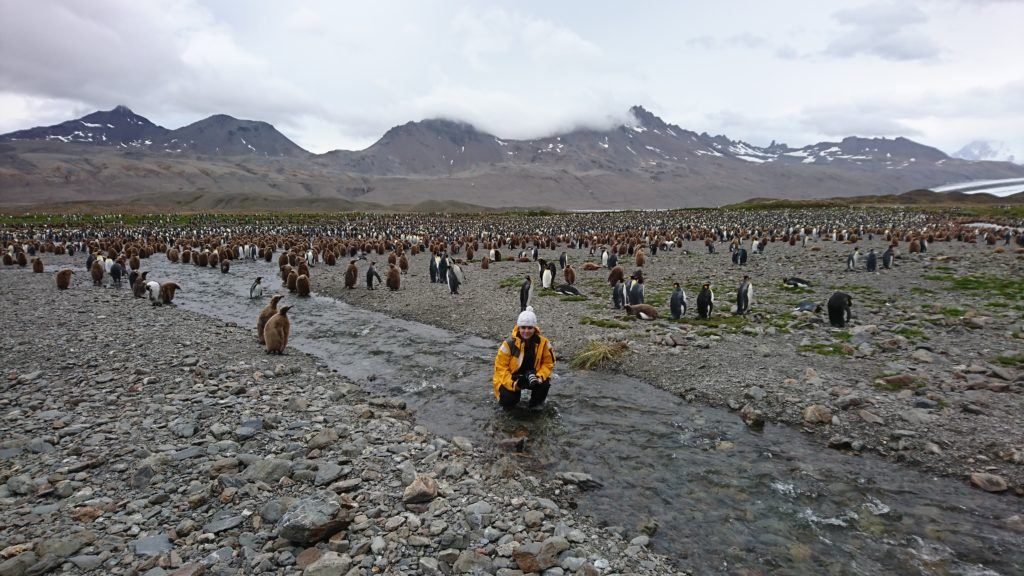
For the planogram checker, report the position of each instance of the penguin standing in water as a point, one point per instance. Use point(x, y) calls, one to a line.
point(887, 258)
point(677, 302)
point(256, 290)
point(872, 261)
point(839, 309)
point(744, 296)
point(525, 293)
point(853, 260)
point(705, 301)
point(618, 294)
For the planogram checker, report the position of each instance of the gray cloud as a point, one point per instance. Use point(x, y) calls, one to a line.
point(744, 40)
point(883, 29)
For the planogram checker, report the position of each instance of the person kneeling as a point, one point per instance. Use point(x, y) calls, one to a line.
point(525, 360)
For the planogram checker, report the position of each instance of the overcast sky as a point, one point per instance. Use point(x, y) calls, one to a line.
point(333, 74)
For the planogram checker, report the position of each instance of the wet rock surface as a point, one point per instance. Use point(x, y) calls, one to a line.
point(151, 440)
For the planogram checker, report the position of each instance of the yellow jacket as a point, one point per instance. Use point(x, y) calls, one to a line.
point(508, 359)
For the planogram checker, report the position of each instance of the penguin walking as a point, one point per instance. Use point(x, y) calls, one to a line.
point(677, 302)
point(454, 278)
point(744, 296)
point(372, 273)
point(525, 293)
point(839, 309)
point(887, 258)
point(275, 333)
point(853, 260)
point(705, 301)
point(256, 290)
point(872, 261)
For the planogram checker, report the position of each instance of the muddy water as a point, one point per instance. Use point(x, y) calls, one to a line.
point(724, 498)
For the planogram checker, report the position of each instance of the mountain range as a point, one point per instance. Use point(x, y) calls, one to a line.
point(119, 158)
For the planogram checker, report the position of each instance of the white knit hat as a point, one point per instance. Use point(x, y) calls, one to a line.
point(527, 317)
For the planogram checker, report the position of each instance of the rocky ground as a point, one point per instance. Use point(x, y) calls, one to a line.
point(929, 373)
point(149, 440)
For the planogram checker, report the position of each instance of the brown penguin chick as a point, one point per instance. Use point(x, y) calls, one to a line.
point(615, 275)
point(8, 259)
point(303, 269)
point(351, 275)
point(22, 259)
point(203, 260)
point(570, 274)
point(37, 265)
point(640, 258)
point(186, 257)
point(97, 273)
point(394, 279)
point(134, 263)
point(268, 311)
point(213, 259)
point(302, 285)
point(642, 311)
point(392, 258)
point(485, 263)
point(590, 266)
point(64, 278)
point(285, 271)
point(403, 264)
point(329, 258)
point(167, 291)
point(225, 265)
point(139, 288)
point(292, 282)
point(275, 334)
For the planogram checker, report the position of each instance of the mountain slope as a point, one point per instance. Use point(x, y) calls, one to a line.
point(117, 127)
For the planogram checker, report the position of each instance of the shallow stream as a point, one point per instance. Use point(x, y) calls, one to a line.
point(725, 498)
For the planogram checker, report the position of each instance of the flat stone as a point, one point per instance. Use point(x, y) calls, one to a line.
point(329, 564)
point(328, 472)
point(323, 439)
point(187, 453)
point(152, 546)
point(223, 523)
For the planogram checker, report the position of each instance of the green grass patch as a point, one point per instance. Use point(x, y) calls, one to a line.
point(944, 268)
point(1007, 288)
point(1012, 361)
point(911, 333)
point(842, 335)
point(921, 291)
point(952, 312)
point(937, 277)
point(995, 304)
point(596, 353)
point(511, 281)
point(573, 298)
point(603, 323)
point(730, 321)
point(825, 349)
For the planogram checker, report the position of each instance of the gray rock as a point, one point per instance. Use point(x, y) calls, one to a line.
point(152, 546)
point(329, 564)
point(21, 484)
point(18, 565)
point(323, 438)
point(86, 561)
point(225, 522)
point(64, 547)
point(471, 562)
point(328, 472)
point(313, 519)
point(268, 470)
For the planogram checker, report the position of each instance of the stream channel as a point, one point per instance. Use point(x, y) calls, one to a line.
point(725, 498)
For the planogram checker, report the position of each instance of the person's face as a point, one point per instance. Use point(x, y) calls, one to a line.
point(526, 331)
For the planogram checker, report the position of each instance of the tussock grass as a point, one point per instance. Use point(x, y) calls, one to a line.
point(511, 281)
point(597, 353)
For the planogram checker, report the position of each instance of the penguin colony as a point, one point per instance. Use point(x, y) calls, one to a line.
point(449, 243)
